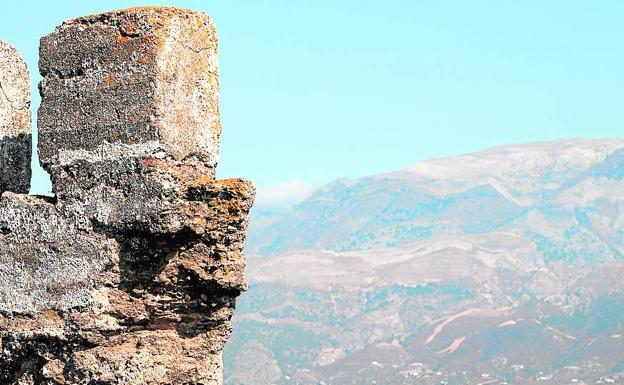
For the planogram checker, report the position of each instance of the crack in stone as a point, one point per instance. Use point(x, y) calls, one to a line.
point(11, 103)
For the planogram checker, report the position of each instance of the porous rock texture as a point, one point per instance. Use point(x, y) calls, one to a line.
point(129, 274)
point(145, 77)
point(15, 117)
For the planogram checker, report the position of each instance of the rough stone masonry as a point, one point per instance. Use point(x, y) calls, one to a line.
point(129, 274)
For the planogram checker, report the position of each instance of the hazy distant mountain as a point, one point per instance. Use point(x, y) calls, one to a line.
point(492, 190)
point(503, 266)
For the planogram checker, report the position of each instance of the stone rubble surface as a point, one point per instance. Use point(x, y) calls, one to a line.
point(130, 273)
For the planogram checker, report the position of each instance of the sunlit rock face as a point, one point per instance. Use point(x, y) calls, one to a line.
point(129, 274)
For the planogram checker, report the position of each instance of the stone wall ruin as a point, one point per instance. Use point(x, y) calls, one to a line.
point(129, 274)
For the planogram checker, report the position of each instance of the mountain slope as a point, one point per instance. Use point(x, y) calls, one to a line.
point(503, 266)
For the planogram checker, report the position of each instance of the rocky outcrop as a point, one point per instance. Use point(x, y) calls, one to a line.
point(129, 274)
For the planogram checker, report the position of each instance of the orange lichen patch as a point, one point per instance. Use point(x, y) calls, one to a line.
point(110, 80)
point(201, 181)
point(120, 39)
point(116, 52)
point(237, 184)
point(143, 59)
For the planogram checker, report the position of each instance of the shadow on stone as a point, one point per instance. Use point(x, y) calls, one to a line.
point(15, 171)
point(149, 269)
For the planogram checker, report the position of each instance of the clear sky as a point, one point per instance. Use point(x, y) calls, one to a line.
point(317, 90)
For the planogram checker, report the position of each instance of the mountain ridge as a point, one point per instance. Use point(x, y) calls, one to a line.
point(343, 214)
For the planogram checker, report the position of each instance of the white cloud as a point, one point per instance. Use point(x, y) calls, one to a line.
point(284, 194)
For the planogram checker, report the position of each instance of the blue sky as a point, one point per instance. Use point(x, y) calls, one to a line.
point(317, 90)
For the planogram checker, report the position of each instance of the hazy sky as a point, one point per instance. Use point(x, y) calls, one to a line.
point(316, 90)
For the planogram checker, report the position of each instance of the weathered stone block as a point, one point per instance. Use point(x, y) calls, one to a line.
point(44, 261)
point(15, 118)
point(145, 78)
point(126, 193)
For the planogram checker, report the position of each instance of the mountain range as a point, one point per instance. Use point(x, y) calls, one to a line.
point(500, 267)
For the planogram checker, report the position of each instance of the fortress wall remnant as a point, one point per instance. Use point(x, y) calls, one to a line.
point(129, 274)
